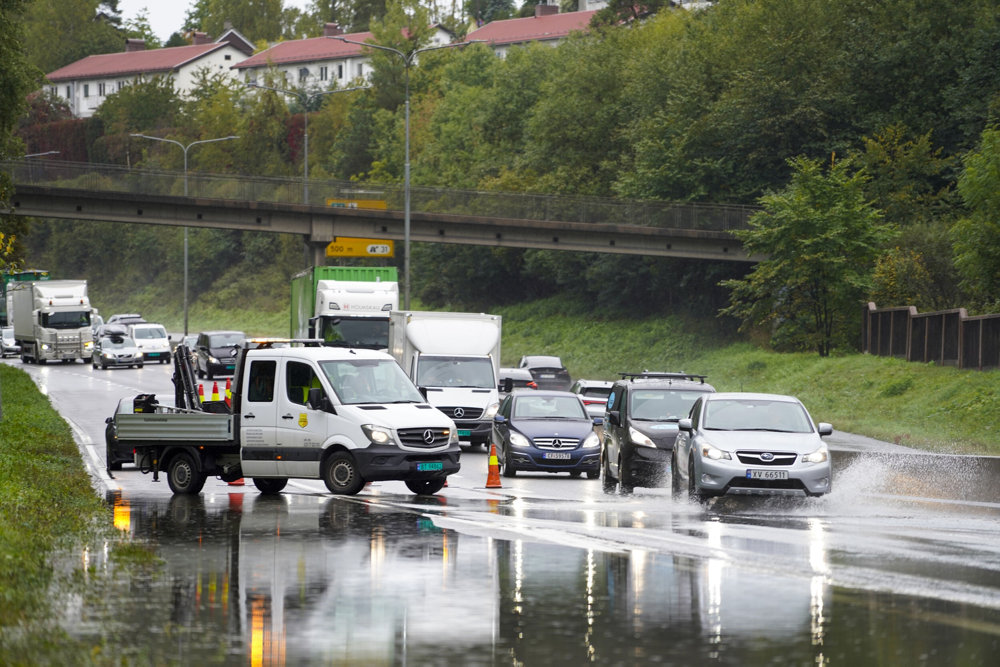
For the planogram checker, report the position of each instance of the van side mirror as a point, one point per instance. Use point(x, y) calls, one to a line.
point(508, 385)
point(500, 419)
point(317, 400)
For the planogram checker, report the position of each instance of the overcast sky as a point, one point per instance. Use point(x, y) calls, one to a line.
point(167, 17)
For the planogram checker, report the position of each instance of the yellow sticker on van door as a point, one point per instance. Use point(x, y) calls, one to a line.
point(303, 419)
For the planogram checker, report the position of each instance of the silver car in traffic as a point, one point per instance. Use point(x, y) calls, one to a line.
point(750, 444)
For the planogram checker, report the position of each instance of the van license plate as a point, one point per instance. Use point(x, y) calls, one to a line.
point(557, 455)
point(464, 432)
point(767, 474)
point(434, 465)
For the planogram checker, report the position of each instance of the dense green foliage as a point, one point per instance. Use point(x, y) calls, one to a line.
point(708, 106)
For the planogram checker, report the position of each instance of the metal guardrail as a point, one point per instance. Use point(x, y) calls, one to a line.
point(556, 208)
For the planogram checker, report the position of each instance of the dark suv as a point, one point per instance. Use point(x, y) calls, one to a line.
point(640, 426)
point(215, 352)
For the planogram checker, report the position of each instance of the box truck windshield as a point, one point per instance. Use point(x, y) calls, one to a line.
point(476, 372)
point(361, 332)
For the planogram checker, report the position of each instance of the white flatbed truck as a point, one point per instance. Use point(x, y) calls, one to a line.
point(344, 416)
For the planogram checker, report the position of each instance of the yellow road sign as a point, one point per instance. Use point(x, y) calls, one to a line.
point(346, 246)
point(357, 203)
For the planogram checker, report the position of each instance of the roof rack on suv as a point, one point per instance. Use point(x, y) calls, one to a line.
point(663, 376)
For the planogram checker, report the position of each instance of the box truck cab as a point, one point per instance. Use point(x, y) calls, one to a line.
point(453, 358)
point(345, 306)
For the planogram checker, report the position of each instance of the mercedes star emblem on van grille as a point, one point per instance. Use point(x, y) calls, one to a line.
point(429, 437)
point(459, 413)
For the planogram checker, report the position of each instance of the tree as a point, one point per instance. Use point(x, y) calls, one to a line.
point(142, 106)
point(255, 19)
point(977, 253)
point(816, 240)
point(60, 32)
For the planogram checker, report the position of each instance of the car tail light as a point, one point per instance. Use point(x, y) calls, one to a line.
point(532, 384)
point(595, 401)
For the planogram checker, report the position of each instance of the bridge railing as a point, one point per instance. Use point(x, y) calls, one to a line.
point(556, 208)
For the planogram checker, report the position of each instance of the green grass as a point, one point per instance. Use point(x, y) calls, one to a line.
point(48, 509)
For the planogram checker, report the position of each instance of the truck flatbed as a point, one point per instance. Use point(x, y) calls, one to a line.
point(167, 423)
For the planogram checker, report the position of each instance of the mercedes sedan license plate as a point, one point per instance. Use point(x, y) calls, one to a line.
point(557, 455)
point(767, 474)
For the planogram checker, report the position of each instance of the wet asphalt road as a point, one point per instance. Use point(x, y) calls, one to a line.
point(899, 565)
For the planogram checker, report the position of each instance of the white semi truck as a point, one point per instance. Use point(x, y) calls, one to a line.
point(52, 320)
point(343, 416)
point(454, 359)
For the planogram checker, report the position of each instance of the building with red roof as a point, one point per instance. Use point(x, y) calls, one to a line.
point(547, 26)
point(320, 62)
point(86, 83)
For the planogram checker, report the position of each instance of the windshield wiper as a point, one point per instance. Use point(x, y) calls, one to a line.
point(771, 430)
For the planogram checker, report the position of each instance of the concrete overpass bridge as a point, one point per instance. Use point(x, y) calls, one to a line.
point(84, 191)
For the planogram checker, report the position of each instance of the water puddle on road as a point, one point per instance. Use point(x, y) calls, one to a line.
point(302, 579)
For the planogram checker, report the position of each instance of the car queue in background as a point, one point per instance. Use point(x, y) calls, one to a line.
point(215, 353)
point(8, 345)
point(520, 378)
point(115, 348)
point(152, 340)
point(547, 371)
point(594, 394)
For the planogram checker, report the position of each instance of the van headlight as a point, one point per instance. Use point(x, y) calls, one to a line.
point(710, 452)
point(818, 456)
point(639, 439)
point(491, 411)
point(453, 437)
point(377, 434)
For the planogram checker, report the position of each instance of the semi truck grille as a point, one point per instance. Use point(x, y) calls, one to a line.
point(556, 443)
point(767, 458)
point(462, 412)
point(424, 437)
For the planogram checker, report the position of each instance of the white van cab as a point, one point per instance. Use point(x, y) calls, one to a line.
point(152, 340)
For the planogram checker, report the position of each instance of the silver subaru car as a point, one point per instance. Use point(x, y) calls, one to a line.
point(750, 444)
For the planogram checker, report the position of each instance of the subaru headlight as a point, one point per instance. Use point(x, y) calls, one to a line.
point(710, 452)
point(491, 411)
point(591, 441)
point(518, 440)
point(377, 434)
point(818, 456)
point(639, 439)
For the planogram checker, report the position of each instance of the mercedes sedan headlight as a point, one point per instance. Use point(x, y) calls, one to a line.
point(518, 440)
point(818, 456)
point(591, 441)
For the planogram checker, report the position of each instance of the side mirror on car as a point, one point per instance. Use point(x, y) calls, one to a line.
point(614, 418)
point(684, 425)
point(598, 421)
point(508, 385)
point(500, 419)
point(824, 429)
point(317, 400)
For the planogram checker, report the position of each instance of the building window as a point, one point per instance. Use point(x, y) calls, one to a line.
point(303, 73)
point(228, 56)
point(53, 91)
point(100, 89)
point(340, 71)
point(361, 70)
point(322, 73)
point(69, 92)
point(86, 90)
point(121, 84)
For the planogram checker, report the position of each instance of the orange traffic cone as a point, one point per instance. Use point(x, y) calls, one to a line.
point(215, 391)
point(493, 479)
point(201, 393)
point(229, 392)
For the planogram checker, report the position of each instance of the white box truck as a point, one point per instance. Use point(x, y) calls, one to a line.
point(52, 320)
point(454, 359)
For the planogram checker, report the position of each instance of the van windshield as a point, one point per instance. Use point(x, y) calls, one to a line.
point(357, 381)
point(475, 372)
point(146, 333)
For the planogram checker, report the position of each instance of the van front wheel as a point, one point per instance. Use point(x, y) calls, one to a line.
point(341, 475)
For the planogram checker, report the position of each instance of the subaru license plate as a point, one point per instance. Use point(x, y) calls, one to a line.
point(433, 465)
point(767, 474)
point(557, 455)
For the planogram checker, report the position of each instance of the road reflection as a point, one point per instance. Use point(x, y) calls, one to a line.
point(303, 579)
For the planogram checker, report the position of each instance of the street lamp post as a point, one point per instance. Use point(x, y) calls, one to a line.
point(408, 59)
point(185, 149)
point(304, 100)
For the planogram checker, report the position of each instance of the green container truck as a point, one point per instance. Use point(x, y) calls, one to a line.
point(346, 306)
point(7, 280)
